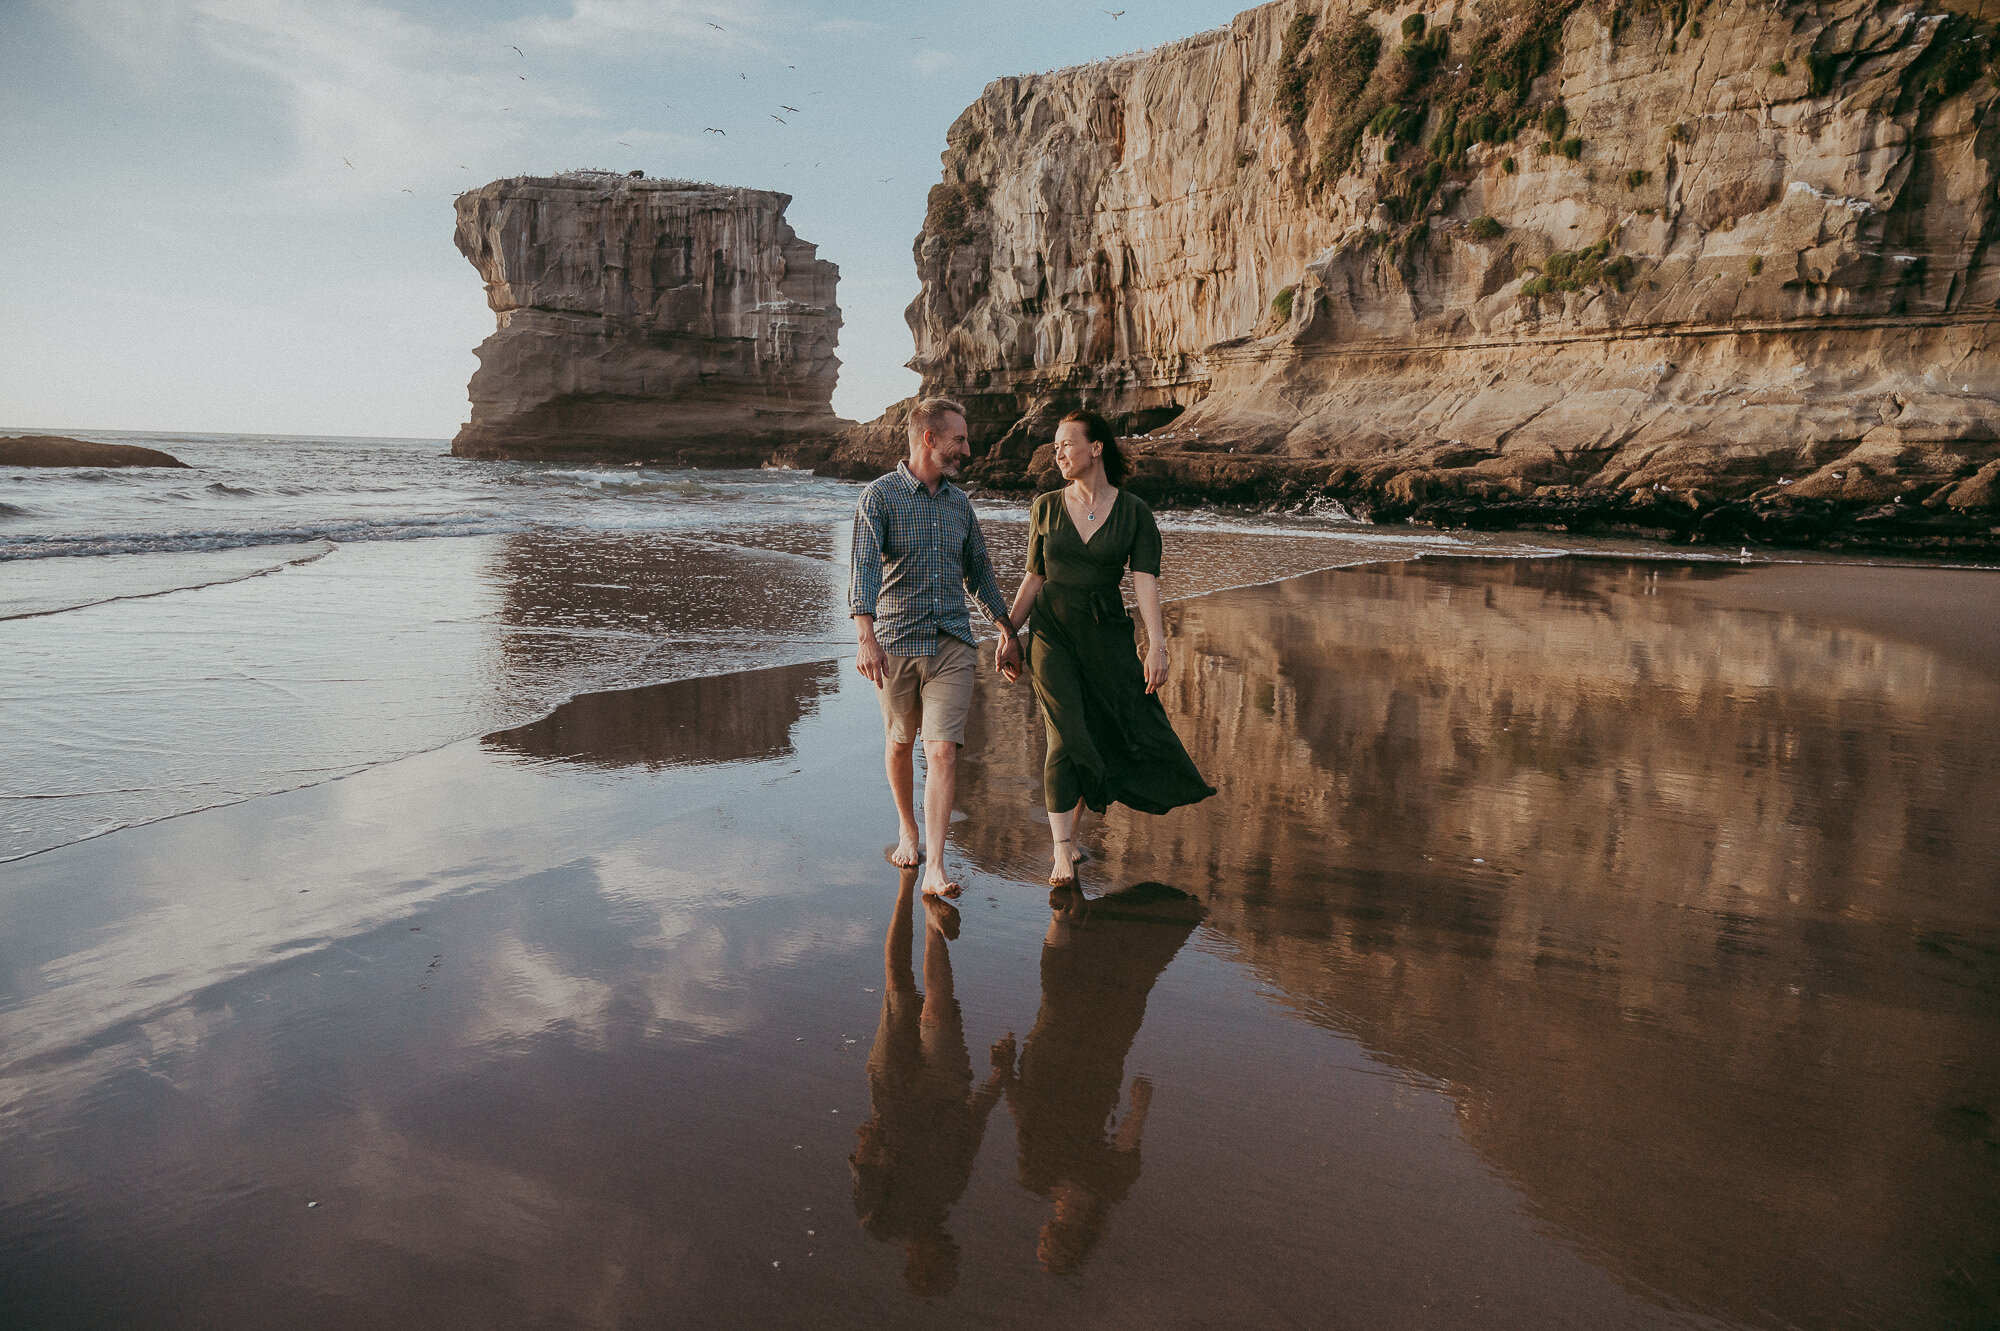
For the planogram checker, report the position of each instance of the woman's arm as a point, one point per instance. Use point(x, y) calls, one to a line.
point(1148, 589)
point(1024, 599)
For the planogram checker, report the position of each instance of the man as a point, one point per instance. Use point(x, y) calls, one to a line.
point(917, 551)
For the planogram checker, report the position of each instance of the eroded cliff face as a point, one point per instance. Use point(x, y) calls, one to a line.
point(645, 319)
point(1643, 265)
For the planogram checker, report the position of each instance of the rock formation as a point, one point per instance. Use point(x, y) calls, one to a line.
point(55, 450)
point(1705, 268)
point(645, 319)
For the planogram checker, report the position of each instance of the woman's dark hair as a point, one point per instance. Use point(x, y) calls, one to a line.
point(1098, 431)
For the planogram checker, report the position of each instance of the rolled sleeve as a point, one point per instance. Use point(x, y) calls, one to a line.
point(864, 564)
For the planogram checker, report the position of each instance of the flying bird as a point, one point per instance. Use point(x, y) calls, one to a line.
point(518, 51)
point(350, 165)
point(621, 143)
point(1119, 14)
point(718, 27)
point(781, 120)
point(792, 109)
point(409, 191)
point(713, 130)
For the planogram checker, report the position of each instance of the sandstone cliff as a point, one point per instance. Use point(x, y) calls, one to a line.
point(1718, 267)
point(646, 319)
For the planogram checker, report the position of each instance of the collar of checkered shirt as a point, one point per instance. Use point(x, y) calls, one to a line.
point(912, 485)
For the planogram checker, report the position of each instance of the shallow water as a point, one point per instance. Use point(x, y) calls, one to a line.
point(1572, 943)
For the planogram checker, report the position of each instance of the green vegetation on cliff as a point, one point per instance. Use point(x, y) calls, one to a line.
point(1479, 81)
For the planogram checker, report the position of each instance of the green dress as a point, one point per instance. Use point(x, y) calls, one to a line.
point(1109, 739)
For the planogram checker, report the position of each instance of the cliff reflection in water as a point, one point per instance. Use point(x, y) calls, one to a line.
point(1690, 907)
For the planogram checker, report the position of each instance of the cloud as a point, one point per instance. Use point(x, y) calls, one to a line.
point(381, 104)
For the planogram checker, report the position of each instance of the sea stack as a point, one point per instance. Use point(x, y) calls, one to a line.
point(1510, 261)
point(656, 320)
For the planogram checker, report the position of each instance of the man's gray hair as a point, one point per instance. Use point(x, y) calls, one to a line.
point(929, 414)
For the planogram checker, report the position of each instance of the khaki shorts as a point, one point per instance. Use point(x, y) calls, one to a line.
point(928, 695)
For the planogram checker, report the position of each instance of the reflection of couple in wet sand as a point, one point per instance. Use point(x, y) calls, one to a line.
point(918, 550)
point(914, 1156)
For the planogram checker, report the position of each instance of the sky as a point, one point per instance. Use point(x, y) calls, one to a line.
point(236, 215)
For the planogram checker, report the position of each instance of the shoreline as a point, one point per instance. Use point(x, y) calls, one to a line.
point(1966, 640)
point(1384, 494)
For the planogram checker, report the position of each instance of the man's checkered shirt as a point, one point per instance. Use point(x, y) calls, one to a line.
point(915, 556)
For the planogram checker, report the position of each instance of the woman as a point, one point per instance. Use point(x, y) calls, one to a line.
point(1109, 738)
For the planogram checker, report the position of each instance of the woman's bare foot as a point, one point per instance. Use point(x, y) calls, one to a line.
point(1062, 868)
point(942, 916)
point(904, 854)
point(937, 883)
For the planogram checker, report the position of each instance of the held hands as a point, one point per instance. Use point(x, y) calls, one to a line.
point(1007, 658)
point(1156, 667)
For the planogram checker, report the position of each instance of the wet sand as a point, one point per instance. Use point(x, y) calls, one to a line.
point(1572, 943)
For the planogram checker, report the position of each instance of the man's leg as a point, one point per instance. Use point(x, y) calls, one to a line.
point(940, 796)
point(899, 757)
point(901, 703)
point(947, 699)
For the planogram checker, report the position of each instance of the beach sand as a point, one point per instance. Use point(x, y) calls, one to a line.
point(1573, 942)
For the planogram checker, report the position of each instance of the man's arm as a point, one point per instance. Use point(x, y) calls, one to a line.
point(864, 582)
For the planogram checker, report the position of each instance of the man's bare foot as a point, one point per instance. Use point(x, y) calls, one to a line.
point(1062, 867)
point(904, 854)
point(939, 884)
